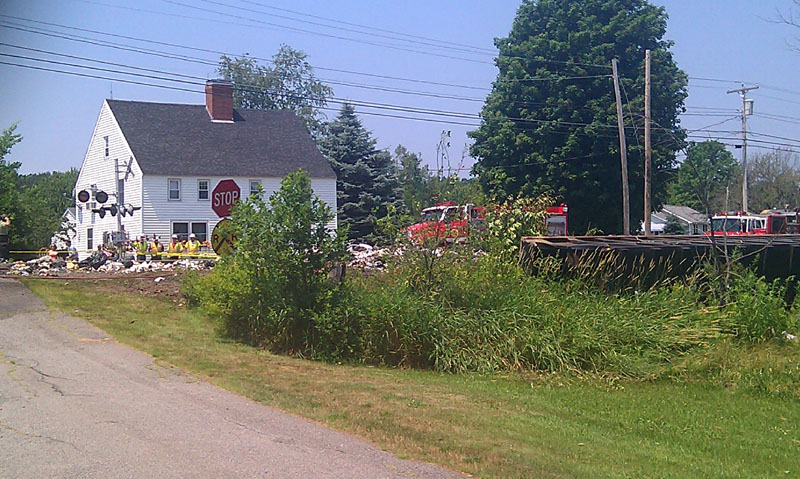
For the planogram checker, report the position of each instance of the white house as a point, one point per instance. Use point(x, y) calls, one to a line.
point(168, 158)
point(692, 221)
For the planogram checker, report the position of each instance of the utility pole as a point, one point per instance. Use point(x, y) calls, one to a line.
point(747, 109)
point(117, 193)
point(623, 155)
point(648, 151)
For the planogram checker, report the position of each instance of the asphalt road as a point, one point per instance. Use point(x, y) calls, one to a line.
point(76, 404)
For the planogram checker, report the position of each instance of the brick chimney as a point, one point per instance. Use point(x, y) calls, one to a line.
point(219, 99)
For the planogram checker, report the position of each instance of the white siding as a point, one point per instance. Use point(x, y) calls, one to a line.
point(98, 169)
point(159, 212)
point(151, 192)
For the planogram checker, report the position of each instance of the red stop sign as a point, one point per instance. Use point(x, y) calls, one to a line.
point(225, 194)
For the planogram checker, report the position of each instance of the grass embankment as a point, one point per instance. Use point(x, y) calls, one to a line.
point(501, 426)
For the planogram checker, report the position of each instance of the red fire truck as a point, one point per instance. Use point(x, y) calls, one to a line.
point(556, 221)
point(448, 222)
point(768, 222)
point(452, 223)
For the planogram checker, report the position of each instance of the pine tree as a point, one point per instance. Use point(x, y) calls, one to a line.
point(366, 177)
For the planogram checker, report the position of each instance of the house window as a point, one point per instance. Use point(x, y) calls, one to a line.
point(200, 230)
point(174, 189)
point(92, 207)
point(202, 189)
point(80, 214)
point(255, 185)
point(183, 228)
point(105, 140)
point(90, 239)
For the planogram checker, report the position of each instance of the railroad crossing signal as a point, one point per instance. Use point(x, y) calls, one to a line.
point(223, 240)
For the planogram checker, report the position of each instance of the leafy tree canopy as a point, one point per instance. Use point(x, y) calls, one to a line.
point(549, 124)
point(673, 226)
point(366, 177)
point(289, 84)
point(774, 180)
point(421, 188)
point(704, 178)
point(34, 202)
point(9, 195)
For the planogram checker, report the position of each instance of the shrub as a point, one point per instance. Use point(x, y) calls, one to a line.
point(517, 217)
point(756, 309)
point(276, 282)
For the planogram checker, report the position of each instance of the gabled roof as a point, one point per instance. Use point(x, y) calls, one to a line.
point(684, 213)
point(181, 140)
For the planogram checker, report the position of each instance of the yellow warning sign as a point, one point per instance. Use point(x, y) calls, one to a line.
point(222, 238)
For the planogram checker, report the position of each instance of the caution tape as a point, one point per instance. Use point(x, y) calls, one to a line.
point(181, 255)
point(43, 252)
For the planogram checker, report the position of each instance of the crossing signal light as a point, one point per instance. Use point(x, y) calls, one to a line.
point(83, 196)
point(101, 196)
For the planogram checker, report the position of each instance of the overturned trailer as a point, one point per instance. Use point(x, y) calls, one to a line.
point(623, 261)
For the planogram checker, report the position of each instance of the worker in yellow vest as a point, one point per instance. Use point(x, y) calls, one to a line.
point(192, 246)
point(141, 248)
point(175, 248)
point(156, 248)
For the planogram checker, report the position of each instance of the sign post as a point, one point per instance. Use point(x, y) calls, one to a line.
point(225, 194)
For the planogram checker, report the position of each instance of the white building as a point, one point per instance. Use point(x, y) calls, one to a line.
point(692, 221)
point(168, 158)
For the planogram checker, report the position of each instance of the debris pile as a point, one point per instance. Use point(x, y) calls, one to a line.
point(370, 258)
point(44, 266)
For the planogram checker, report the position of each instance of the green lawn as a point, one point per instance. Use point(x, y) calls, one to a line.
point(489, 426)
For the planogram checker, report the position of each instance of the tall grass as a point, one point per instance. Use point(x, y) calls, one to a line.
point(486, 315)
point(454, 312)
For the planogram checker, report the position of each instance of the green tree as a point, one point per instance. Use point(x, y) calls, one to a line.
point(47, 196)
point(704, 177)
point(271, 288)
point(10, 196)
point(774, 180)
point(549, 124)
point(673, 226)
point(366, 177)
point(289, 84)
point(453, 188)
point(421, 189)
point(413, 178)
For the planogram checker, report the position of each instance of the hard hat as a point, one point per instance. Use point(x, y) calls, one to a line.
point(174, 236)
point(192, 236)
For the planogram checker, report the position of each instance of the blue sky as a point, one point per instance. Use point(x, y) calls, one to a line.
point(727, 40)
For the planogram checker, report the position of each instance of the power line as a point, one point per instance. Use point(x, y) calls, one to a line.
point(392, 36)
point(359, 103)
point(362, 104)
point(47, 32)
point(779, 99)
point(215, 20)
point(362, 26)
point(368, 104)
point(787, 147)
point(774, 136)
point(331, 81)
point(326, 35)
